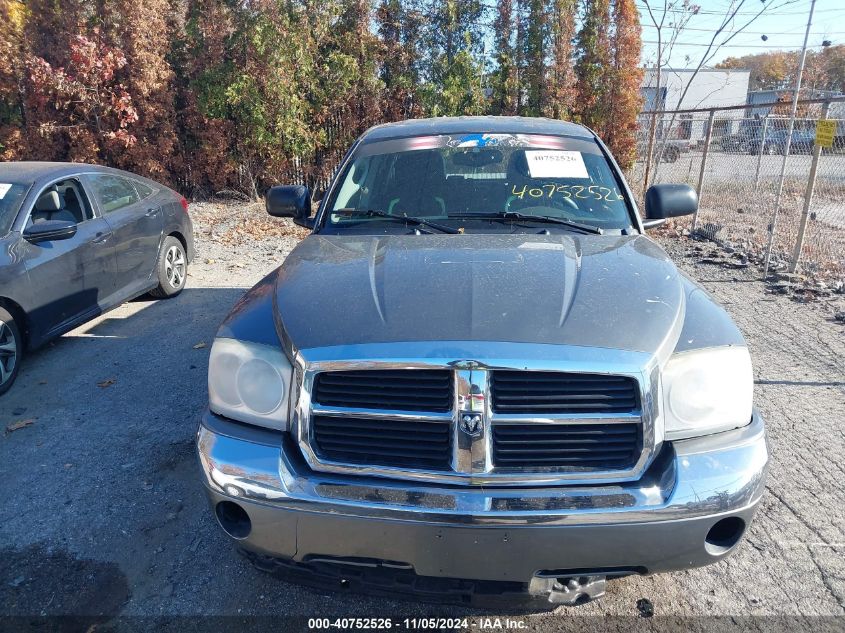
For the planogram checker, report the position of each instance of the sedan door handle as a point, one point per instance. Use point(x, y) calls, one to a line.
point(101, 237)
point(151, 212)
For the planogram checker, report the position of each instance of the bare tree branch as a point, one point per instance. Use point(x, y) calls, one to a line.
point(713, 46)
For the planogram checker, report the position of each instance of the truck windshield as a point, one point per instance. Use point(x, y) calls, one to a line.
point(453, 180)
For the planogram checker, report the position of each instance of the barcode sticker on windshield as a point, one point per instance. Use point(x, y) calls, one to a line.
point(555, 164)
point(4, 189)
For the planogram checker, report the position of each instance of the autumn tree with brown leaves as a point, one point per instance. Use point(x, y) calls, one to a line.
point(84, 106)
point(210, 95)
point(624, 100)
point(144, 32)
point(824, 70)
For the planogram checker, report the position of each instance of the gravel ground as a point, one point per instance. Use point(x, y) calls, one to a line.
point(102, 513)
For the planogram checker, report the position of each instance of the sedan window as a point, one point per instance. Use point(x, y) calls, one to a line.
point(11, 196)
point(63, 200)
point(113, 192)
point(144, 191)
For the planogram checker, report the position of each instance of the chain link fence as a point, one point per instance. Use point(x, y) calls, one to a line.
point(734, 157)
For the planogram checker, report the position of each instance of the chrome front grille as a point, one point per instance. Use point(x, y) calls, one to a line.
point(579, 446)
point(560, 393)
point(383, 442)
point(464, 422)
point(423, 390)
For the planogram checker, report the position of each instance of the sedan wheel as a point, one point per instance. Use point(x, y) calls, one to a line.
point(172, 268)
point(10, 350)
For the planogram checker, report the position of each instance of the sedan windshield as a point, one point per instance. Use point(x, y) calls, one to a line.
point(11, 196)
point(496, 179)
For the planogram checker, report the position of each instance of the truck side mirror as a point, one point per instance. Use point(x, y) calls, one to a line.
point(289, 201)
point(668, 201)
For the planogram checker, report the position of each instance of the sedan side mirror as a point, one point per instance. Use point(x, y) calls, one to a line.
point(668, 201)
point(50, 231)
point(290, 201)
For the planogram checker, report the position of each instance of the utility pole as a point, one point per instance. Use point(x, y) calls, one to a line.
point(773, 225)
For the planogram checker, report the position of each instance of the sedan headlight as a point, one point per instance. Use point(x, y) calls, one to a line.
point(707, 391)
point(249, 383)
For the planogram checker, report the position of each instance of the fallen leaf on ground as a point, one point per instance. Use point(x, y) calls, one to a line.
point(106, 383)
point(15, 426)
point(199, 345)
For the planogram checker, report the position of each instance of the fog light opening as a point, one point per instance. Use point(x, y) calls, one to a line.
point(233, 519)
point(724, 535)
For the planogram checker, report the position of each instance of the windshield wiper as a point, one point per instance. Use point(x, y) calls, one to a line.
point(376, 213)
point(549, 219)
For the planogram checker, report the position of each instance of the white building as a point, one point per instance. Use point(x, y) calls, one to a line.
point(709, 88)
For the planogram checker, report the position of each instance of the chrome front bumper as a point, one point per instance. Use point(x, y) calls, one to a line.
point(658, 523)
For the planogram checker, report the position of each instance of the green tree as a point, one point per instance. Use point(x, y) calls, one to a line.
point(351, 100)
point(457, 88)
point(278, 78)
point(593, 61)
point(399, 28)
point(535, 51)
point(454, 26)
point(560, 93)
point(454, 71)
point(206, 131)
point(13, 17)
point(504, 80)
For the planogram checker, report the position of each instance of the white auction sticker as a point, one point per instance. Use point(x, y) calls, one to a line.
point(4, 189)
point(555, 164)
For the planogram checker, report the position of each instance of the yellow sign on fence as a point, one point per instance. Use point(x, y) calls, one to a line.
point(825, 131)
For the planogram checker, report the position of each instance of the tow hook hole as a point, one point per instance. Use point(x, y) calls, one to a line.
point(724, 535)
point(233, 519)
point(344, 583)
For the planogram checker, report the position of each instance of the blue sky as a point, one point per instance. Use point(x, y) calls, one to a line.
point(784, 24)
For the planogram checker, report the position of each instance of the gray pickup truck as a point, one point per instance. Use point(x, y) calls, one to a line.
point(478, 380)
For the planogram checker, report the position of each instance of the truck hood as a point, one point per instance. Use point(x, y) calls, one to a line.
point(620, 292)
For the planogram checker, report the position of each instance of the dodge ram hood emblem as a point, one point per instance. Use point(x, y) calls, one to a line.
point(471, 423)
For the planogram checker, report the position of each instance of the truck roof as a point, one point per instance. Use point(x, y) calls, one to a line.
point(475, 125)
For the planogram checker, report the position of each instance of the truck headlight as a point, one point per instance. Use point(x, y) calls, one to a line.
point(707, 391)
point(249, 383)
